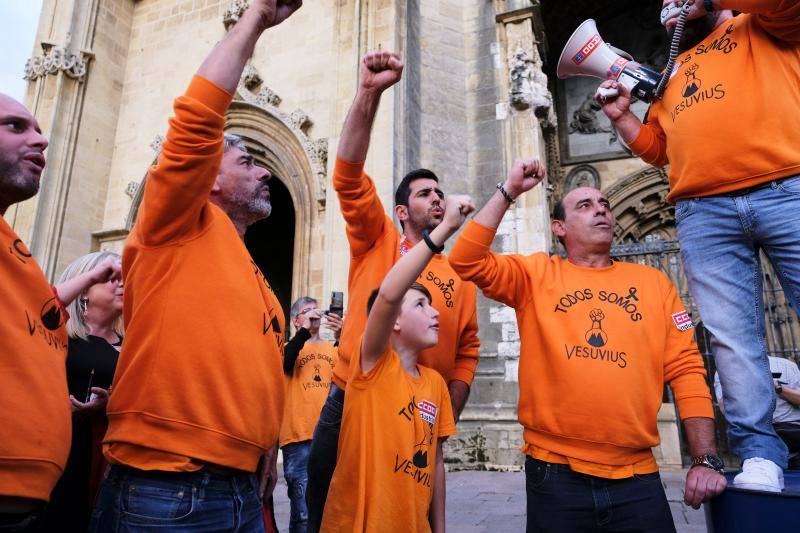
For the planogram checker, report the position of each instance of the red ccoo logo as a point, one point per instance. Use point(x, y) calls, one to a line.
point(587, 49)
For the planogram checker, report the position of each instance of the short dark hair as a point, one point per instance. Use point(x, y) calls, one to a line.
point(404, 189)
point(417, 286)
point(559, 213)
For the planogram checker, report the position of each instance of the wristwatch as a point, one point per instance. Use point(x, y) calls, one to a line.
point(709, 461)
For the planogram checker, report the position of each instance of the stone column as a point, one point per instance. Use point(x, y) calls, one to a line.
point(76, 102)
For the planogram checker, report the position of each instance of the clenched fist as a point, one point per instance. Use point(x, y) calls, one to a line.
point(596, 315)
point(273, 12)
point(379, 71)
point(456, 209)
point(524, 175)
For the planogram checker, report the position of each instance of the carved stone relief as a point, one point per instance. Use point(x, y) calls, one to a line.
point(298, 121)
point(640, 207)
point(528, 85)
point(234, 12)
point(55, 59)
point(582, 176)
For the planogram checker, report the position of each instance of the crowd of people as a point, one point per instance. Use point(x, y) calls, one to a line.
point(179, 426)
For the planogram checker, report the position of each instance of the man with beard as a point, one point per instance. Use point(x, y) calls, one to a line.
point(618, 333)
point(735, 194)
point(376, 245)
point(35, 433)
point(198, 390)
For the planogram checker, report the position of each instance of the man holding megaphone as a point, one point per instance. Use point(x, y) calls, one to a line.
point(727, 126)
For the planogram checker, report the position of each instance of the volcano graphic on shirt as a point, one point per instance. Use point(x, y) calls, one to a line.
point(693, 83)
point(420, 459)
point(316, 377)
point(51, 315)
point(596, 336)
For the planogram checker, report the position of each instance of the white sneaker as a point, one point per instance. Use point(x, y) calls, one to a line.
point(759, 474)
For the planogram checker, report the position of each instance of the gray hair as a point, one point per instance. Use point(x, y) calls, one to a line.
point(299, 304)
point(234, 141)
point(76, 325)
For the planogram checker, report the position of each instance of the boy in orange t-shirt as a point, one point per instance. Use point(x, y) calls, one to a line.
point(389, 470)
point(308, 363)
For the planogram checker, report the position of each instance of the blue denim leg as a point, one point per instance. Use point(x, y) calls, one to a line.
point(133, 501)
point(719, 250)
point(295, 470)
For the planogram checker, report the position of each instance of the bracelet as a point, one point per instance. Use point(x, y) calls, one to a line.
point(709, 5)
point(427, 237)
point(505, 194)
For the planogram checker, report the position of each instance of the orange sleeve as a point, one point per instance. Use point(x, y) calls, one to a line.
point(779, 18)
point(683, 365)
point(177, 186)
point(651, 143)
point(501, 277)
point(362, 209)
point(468, 344)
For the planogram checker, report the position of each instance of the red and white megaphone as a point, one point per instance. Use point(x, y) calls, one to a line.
point(586, 54)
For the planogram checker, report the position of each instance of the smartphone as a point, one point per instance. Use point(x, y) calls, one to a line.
point(670, 11)
point(337, 303)
point(777, 375)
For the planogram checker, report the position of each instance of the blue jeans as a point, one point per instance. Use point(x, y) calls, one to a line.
point(560, 500)
point(133, 500)
point(322, 456)
point(720, 238)
point(295, 470)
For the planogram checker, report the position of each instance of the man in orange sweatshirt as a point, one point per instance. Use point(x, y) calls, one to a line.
point(616, 332)
point(375, 246)
point(198, 391)
point(35, 433)
point(727, 126)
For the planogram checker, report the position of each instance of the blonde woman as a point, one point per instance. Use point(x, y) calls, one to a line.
point(95, 337)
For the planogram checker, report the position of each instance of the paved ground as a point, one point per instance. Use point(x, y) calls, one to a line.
point(483, 502)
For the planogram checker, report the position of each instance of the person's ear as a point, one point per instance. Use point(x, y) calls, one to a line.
point(558, 228)
point(402, 212)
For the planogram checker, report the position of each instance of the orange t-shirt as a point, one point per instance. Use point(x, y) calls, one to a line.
point(386, 462)
point(35, 434)
point(375, 246)
point(199, 378)
point(597, 347)
point(306, 391)
point(728, 118)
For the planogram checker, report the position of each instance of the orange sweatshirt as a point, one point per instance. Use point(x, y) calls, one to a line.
point(386, 461)
point(199, 378)
point(375, 246)
point(728, 118)
point(36, 428)
point(598, 344)
point(306, 391)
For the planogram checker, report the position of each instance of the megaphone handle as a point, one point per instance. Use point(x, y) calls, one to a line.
point(607, 92)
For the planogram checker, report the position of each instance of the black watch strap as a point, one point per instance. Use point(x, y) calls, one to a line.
point(427, 237)
point(709, 5)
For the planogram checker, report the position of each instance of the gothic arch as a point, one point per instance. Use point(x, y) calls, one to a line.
point(639, 203)
point(278, 141)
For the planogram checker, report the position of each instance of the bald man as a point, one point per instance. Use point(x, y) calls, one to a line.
point(36, 429)
point(599, 339)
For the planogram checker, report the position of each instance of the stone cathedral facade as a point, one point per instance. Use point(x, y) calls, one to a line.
point(479, 89)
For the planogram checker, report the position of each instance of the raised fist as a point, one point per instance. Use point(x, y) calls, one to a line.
point(273, 12)
point(525, 174)
point(596, 315)
point(456, 209)
point(379, 71)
